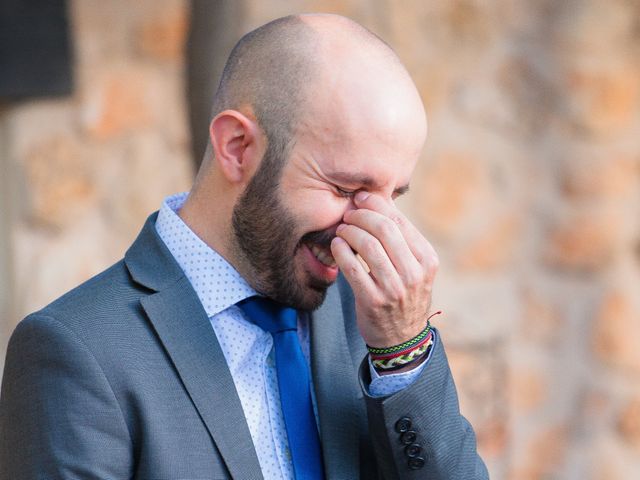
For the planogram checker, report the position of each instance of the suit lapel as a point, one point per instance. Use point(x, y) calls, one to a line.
point(336, 387)
point(186, 333)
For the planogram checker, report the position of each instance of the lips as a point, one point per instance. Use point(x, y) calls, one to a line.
point(319, 262)
point(320, 265)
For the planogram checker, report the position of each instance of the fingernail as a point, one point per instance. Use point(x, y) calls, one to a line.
point(361, 196)
point(340, 227)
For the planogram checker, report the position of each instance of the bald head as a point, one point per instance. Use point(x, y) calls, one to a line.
point(298, 64)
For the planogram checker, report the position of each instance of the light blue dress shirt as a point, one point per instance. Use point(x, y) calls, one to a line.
point(248, 349)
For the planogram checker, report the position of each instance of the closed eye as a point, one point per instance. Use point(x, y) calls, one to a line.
point(345, 193)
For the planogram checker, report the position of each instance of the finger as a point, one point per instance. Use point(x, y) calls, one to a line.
point(371, 250)
point(391, 238)
point(364, 264)
point(353, 270)
point(421, 248)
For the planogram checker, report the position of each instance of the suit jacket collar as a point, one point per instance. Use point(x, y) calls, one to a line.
point(149, 261)
point(183, 327)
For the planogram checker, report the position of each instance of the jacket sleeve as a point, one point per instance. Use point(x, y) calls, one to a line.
point(418, 432)
point(59, 417)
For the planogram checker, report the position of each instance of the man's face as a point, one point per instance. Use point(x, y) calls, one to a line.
point(270, 239)
point(283, 224)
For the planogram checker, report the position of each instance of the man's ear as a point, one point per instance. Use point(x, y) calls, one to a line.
point(237, 143)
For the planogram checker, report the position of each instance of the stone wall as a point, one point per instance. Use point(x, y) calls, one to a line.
point(529, 189)
point(87, 169)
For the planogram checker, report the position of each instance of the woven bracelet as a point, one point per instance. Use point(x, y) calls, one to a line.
point(387, 356)
point(408, 344)
point(399, 361)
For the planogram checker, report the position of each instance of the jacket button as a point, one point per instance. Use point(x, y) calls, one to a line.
point(403, 424)
point(413, 450)
point(407, 438)
point(416, 463)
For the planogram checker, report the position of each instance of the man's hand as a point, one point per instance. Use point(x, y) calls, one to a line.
point(392, 301)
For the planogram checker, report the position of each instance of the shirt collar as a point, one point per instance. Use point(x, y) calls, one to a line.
point(217, 284)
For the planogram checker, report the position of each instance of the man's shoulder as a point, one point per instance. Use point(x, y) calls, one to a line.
point(110, 284)
point(103, 302)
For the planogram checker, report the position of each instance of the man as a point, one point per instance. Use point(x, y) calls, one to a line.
point(175, 363)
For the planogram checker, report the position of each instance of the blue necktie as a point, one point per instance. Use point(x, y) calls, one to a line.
point(293, 381)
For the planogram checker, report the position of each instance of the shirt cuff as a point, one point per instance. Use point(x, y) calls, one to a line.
point(385, 385)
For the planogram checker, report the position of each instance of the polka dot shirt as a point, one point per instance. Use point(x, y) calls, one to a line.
point(248, 349)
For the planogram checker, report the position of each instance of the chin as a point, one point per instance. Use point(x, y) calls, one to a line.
point(310, 301)
point(316, 298)
point(308, 294)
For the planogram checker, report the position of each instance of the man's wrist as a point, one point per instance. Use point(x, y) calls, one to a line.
point(405, 356)
point(382, 385)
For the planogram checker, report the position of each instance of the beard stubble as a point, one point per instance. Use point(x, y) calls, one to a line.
point(264, 241)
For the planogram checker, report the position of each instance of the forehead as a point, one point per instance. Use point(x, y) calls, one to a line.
point(377, 144)
point(367, 160)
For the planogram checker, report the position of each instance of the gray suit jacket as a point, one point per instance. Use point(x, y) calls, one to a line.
point(123, 377)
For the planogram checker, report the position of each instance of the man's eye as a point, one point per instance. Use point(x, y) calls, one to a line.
point(345, 193)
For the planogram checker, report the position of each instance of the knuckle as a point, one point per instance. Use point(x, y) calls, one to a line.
point(377, 302)
point(398, 219)
point(352, 271)
point(434, 264)
point(426, 256)
point(395, 298)
point(415, 279)
point(370, 246)
point(428, 289)
point(396, 293)
point(387, 227)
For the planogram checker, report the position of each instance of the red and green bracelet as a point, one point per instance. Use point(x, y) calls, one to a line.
point(406, 353)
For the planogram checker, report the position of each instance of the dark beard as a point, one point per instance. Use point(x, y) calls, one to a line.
point(264, 231)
